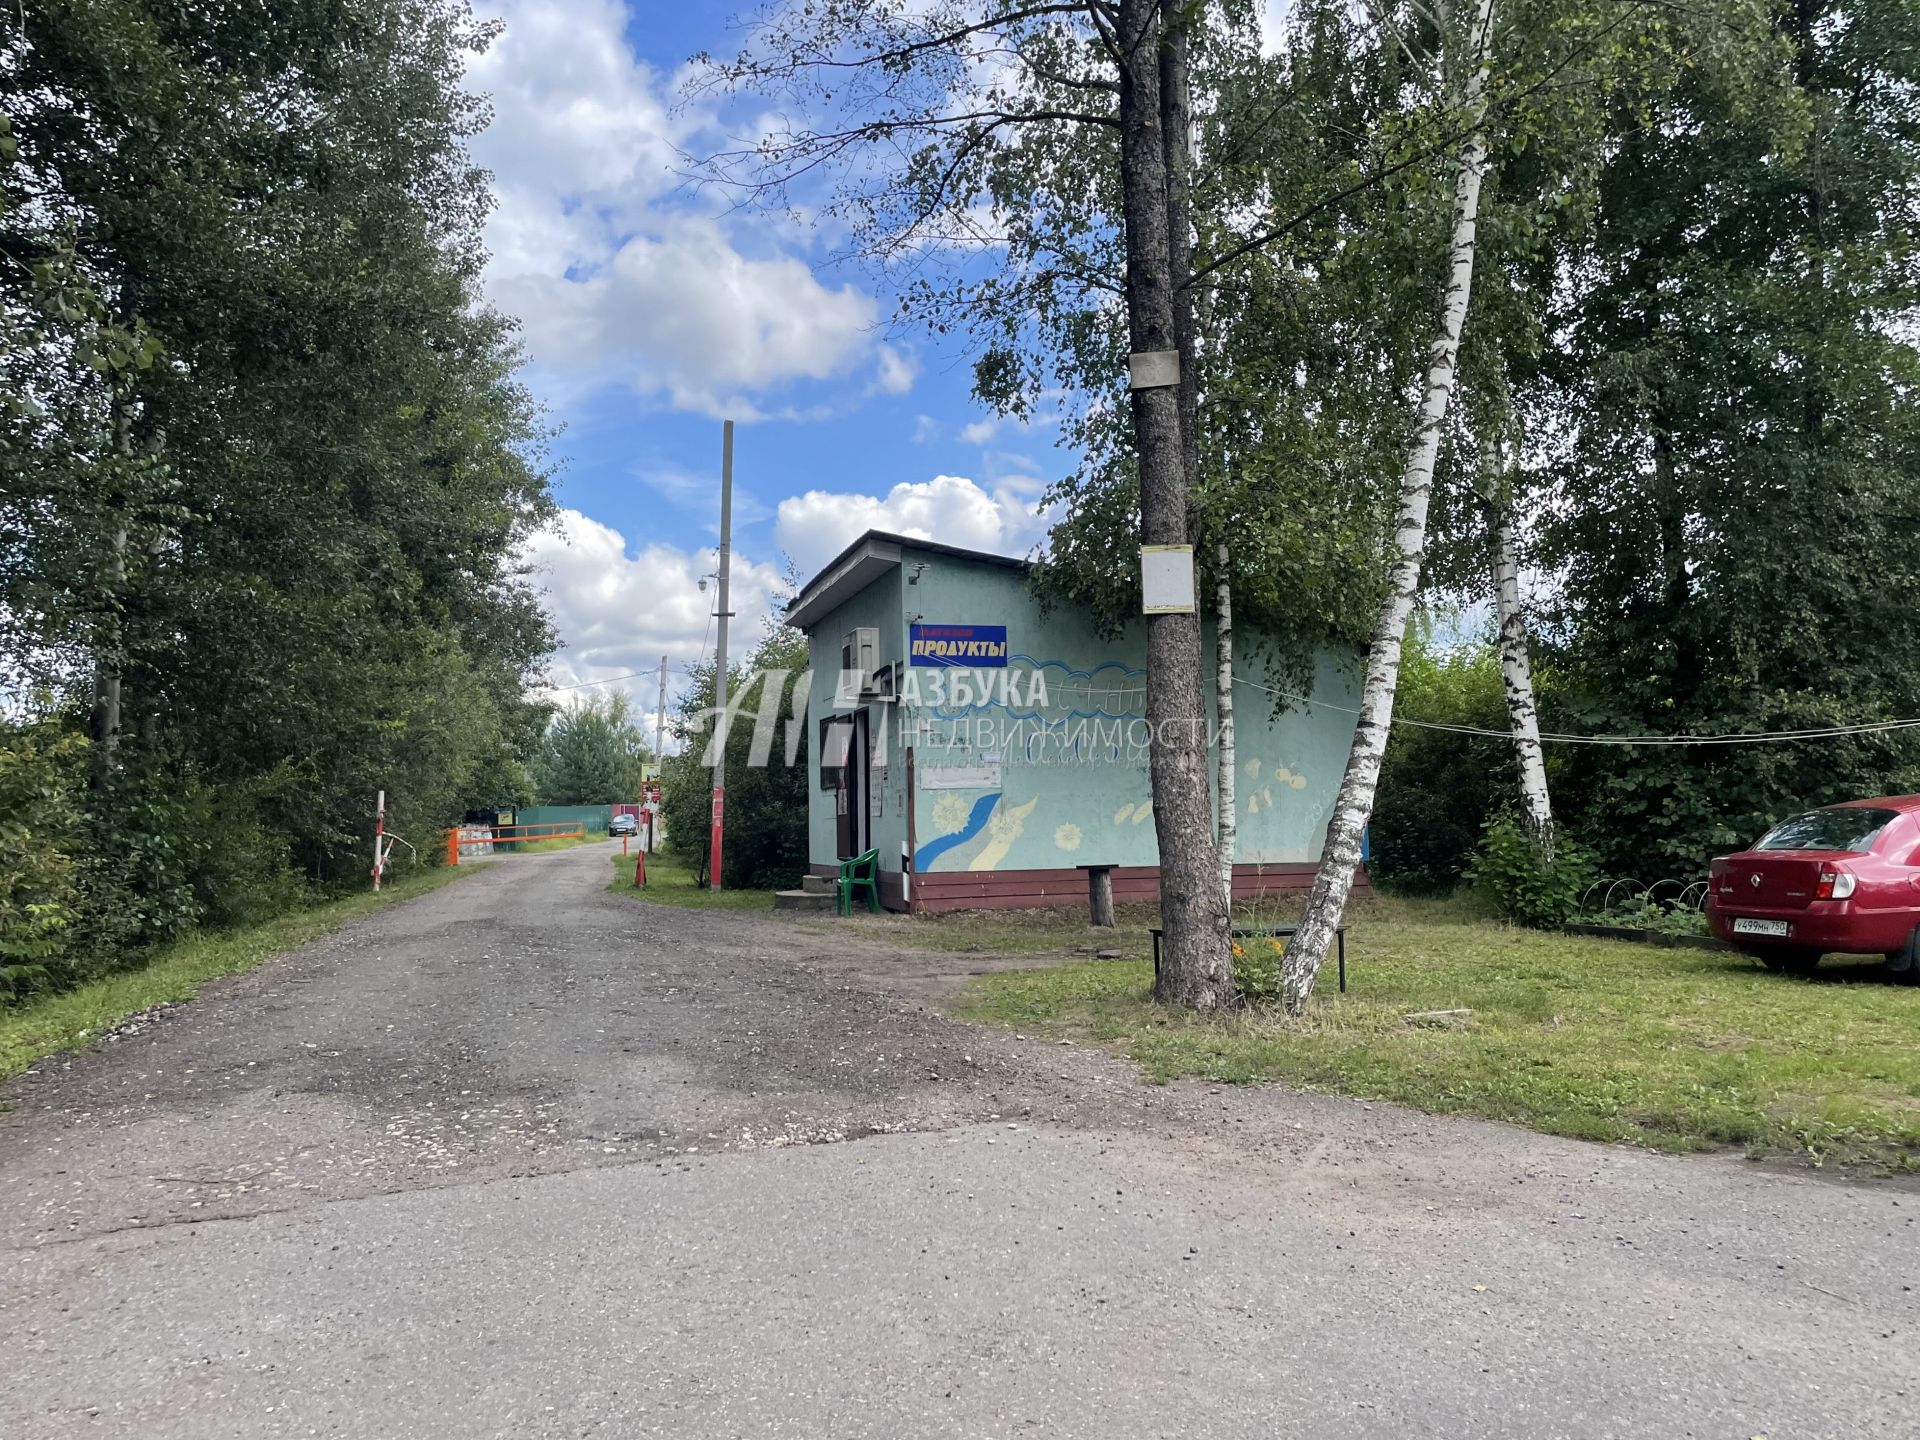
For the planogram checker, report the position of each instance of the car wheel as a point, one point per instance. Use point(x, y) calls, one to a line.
point(1789, 962)
point(1905, 962)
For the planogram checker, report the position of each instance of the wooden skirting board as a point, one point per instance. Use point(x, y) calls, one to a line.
point(1031, 889)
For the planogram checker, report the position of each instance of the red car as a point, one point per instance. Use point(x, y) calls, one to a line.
point(1846, 878)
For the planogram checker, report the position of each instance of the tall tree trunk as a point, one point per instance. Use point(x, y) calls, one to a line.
point(1176, 126)
point(1516, 661)
point(109, 637)
point(1227, 832)
point(1353, 805)
point(1176, 137)
point(1196, 968)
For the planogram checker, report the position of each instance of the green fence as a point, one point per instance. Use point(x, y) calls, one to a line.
point(592, 818)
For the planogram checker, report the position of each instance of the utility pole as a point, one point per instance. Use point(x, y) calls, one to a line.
point(379, 838)
point(660, 719)
point(657, 794)
point(720, 655)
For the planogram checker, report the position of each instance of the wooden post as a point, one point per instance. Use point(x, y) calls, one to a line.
point(1100, 894)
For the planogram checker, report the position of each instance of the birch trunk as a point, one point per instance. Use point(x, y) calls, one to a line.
point(1196, 968)
point(1227, 832)
point(1353, 805)
point(1516, 663)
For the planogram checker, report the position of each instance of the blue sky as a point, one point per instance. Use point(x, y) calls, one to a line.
point(650, 312)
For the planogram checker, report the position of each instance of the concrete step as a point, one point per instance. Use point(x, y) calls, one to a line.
point(817, 884)
point(803, 902)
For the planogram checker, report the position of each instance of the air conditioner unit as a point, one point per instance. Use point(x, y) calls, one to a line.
point(859, 659)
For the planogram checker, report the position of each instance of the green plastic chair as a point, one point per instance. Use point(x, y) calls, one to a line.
point(862, 872)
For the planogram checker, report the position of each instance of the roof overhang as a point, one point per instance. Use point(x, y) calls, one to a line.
point(856, 567)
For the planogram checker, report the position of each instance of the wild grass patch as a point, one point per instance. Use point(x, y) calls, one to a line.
point(670, 881)
point(1675, 1049)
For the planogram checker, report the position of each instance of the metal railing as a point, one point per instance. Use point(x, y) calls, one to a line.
point(509, 834)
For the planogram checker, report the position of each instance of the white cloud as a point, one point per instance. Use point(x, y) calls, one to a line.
point(814, 527)
point(618, 611)
point(1046, 415)
point(700, 494)
point(897, 371)
point(680, 312)
point(618, 275)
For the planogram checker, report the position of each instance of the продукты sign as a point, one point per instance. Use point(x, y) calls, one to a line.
point(974, 647)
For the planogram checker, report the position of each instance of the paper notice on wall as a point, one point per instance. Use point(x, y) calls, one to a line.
point(984, 776)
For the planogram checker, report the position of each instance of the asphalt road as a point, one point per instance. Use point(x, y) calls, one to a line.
point(522, 1158)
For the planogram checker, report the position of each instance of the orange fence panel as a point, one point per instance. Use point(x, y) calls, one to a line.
point(508, 834)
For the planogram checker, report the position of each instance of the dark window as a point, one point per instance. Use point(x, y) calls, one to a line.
point(1845, 829)
point(836, 738)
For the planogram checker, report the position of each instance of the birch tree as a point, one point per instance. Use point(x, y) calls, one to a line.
point(1227, 829)
point(1353, 803)
point(1516, 661)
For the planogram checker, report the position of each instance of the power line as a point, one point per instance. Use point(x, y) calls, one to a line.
point(609, 680)
point(1762, 737)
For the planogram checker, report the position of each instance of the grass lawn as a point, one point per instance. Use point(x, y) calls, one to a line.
point(177, 972)
point(670, 882)
point(1672, 1048)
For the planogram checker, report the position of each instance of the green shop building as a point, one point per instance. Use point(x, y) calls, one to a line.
point(989, 752)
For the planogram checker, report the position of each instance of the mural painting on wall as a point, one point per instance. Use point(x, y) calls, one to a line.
point(985, 737)
point(1043, 711)
point(1036, 712)
point(1001, 825)
point(1279, 778)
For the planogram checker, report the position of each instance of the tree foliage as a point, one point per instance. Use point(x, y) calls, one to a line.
point(264, 465)
point(1732, 442)
point(592, 754)
point(766, 803)
point(1439, 786)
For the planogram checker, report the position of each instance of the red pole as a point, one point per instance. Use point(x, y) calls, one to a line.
point(719, 811)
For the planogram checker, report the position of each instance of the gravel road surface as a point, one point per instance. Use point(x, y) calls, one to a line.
point(523, 1158)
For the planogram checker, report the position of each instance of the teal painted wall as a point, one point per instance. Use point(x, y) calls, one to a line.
point(879, 606)
point(1016, 780)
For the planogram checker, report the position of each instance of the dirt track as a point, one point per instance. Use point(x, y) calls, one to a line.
point(434, 1117)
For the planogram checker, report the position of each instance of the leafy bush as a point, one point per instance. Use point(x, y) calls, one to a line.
point(766, 814)
point(1256, 966)
point(136, 870)
point(1522, 882)
point(1419, 845)
point(1437, 787)
point(1660, 917)
point(38, 894)
point(1663, 917)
